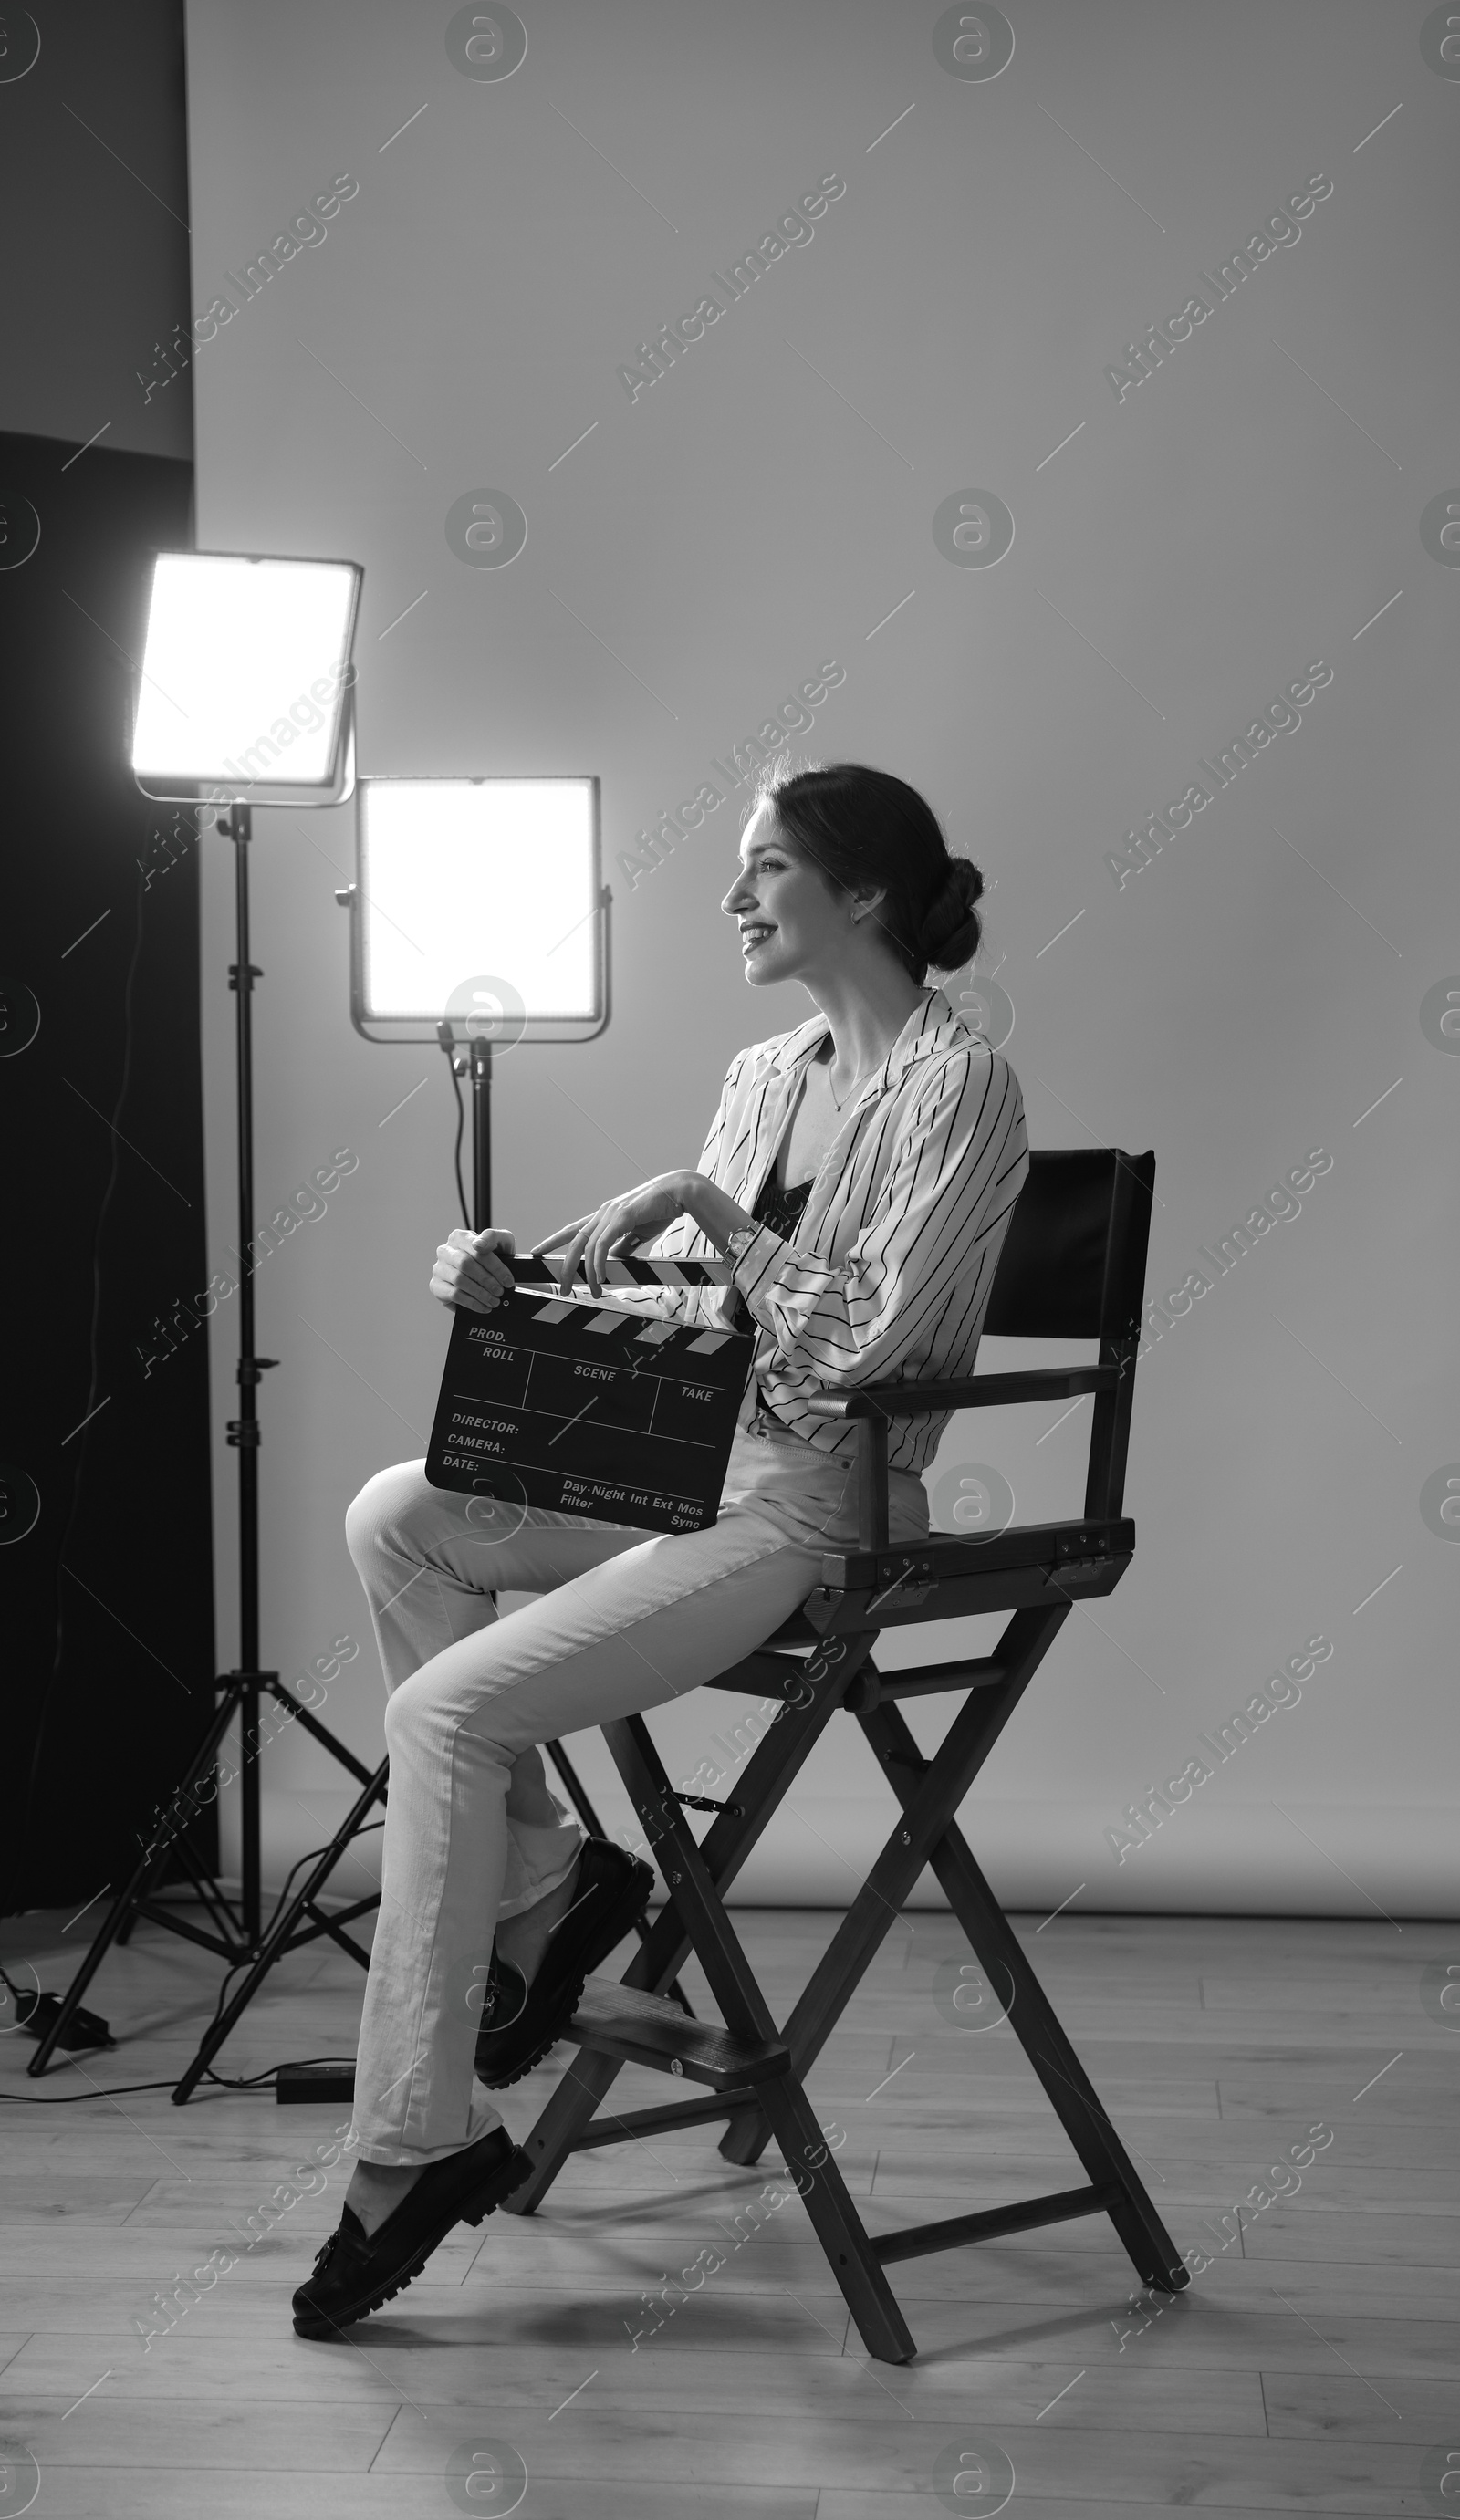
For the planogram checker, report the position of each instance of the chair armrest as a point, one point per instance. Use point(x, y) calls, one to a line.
point(873, 1408)
point(982, 1391)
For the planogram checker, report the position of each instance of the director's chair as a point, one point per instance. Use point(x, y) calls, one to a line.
point(1072, 1266)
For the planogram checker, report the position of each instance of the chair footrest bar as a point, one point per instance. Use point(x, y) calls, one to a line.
point(628, 2126)
point(925, 2239)
point(642, 2029)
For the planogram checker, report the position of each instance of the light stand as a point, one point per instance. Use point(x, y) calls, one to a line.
point(481, 1134)
point(237, 1935)
point(508, 868)
point(255, 643)
point(473, 1060)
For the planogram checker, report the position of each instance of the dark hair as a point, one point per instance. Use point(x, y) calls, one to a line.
point(863, 827)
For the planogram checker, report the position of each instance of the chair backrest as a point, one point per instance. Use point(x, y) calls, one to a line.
point(1073, 1258)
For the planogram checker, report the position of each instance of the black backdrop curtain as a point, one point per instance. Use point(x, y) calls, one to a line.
point(106, 1542)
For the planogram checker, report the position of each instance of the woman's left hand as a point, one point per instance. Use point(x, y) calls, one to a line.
point(616, 1228)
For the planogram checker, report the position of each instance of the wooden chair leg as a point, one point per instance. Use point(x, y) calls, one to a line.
point(772, 1770)
point(793, 2121)
point(880, 1900)
point(573, 2104)
point(838, 2227)
point(577, 1795)
point(744, 2138)
point(694, 1892)
point(1034, 2022)
point(667, 1944)
point(930, 1791)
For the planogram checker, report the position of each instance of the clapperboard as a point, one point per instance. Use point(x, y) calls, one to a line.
point(588, 1408)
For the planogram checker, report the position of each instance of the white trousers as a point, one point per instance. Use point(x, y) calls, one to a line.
point(623, 1621)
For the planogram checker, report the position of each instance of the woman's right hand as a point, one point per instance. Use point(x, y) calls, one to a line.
point(468, 1275)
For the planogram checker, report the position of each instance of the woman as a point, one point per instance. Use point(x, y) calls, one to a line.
point(859, 1174)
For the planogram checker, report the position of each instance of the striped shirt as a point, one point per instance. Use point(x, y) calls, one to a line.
point(889, 1273)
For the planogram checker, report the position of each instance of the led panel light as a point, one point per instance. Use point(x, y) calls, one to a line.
point(480, 901)
point(245, 678)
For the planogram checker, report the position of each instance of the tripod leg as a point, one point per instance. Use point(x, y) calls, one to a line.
point(118, 1915)
point(276, 1940)
point(121, 1914)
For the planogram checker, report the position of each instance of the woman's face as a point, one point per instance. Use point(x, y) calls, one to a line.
point(791, 922)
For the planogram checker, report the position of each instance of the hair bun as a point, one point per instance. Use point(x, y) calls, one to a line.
point(951, 928)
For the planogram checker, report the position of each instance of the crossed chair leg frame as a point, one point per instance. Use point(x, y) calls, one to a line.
point(756, 2073)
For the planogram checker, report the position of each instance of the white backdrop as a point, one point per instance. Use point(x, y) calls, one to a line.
point(952, 345)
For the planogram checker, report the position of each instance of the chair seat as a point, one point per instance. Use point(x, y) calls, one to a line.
point(1085, 1556)
point(650, 2030)
point(947, 1576)
point(946, 1553)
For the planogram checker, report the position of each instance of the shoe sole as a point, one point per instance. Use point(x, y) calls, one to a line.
point(596, 1950)
point(515, 2173)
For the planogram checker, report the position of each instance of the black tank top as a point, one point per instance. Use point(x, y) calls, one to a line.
point(781, 1209)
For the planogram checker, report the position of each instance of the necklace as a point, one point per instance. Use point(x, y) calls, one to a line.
point(830, 1089)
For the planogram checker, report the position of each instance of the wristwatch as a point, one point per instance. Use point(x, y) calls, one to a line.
point(739, 1242)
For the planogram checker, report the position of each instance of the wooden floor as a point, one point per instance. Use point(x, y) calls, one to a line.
point(1312, 2367)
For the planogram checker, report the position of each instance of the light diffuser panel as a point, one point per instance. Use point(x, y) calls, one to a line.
point(245, 670)
point(471, 882)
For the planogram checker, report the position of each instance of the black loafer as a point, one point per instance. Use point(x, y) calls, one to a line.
point(504, 1997)
point(611, 1894)
point(357, 2271)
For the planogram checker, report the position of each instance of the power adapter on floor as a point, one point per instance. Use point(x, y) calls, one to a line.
point(297, 2084)
point(36, 2015)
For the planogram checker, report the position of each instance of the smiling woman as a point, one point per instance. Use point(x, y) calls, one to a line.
point(876, 847)
point(847, 884)
point(904, 1133)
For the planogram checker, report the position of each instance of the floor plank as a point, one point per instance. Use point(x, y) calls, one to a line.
point(1308, 2368)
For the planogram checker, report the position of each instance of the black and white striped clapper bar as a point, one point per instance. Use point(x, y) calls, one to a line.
point(587, 1407)
point(1071, 1267)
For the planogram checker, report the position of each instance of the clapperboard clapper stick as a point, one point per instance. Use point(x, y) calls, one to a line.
point(587, 1408)
point(539, 1271)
